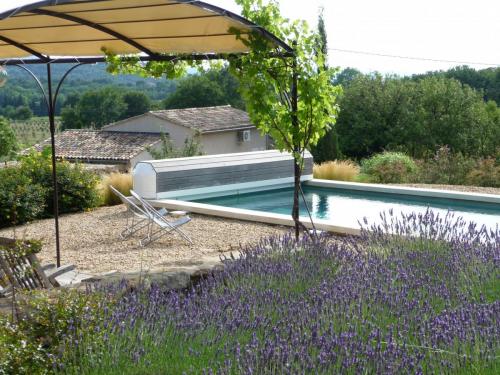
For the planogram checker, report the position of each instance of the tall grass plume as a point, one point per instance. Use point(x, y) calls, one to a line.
point(121, 181)
point(341, 170)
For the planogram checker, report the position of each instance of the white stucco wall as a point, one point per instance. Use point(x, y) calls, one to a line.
point(145, 155)
point(212, 143)
point(227, 142)
point(152, 124)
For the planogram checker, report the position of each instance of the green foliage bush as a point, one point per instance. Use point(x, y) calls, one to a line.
point(77, 187)
point(389, 113)
point(389, 167)
point(47, 318)
point(446, 168)
point(485, 173)
point(8, 142)
point(21, 200)
point(26, 191)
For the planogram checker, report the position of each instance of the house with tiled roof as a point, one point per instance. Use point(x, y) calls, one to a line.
point(121, 149)
point(219, 130)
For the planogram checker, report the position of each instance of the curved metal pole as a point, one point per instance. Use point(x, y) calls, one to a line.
point(51, 101)
point(61, 81)
point(50, 110)
point(37, 82)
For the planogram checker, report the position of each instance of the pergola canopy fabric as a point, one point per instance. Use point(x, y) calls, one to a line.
point(83, 28)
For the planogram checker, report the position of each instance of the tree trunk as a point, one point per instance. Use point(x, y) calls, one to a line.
point(296, 149)
point(295, 209)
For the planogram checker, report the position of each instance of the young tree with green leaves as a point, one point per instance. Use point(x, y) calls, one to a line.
point(287, 97)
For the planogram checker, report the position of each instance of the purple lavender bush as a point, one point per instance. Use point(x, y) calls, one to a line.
point(415, 294)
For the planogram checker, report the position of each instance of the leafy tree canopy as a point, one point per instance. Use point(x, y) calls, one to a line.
point(267, 83)
point(137, 103)
point(205, 89)
point(97, 108)
point(485, 80)
point(415, 116)
point(195, 91)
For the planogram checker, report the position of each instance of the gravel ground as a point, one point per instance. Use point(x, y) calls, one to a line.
point(91, 240)
point(467, 189)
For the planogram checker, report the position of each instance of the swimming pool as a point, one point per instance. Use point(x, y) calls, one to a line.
point(347, 207)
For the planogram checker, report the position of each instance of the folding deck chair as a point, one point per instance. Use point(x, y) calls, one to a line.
point(25, 271)
point(137, 218)
point(164, 226)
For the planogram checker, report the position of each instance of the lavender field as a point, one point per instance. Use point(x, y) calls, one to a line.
point(376, 304)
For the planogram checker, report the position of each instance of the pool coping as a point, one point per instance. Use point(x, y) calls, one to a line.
point(321, 224)
point(251, 215)
point(406, 190)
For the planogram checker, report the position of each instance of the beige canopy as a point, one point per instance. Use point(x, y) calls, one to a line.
point(83, 28)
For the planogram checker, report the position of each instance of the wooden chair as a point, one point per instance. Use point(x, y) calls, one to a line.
point(23, 270)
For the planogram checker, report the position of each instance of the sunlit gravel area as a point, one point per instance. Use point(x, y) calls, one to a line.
point(91, 241)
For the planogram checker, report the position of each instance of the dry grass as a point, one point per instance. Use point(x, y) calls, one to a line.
point(341, 170)
point(120, 181)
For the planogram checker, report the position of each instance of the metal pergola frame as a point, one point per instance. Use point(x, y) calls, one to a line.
point(50, 97)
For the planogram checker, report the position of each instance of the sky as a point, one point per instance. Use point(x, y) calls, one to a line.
point(454, 30)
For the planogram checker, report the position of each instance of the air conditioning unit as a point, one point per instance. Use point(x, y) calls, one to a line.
point(244, 136)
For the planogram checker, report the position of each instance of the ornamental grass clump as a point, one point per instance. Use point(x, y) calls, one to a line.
point(385, 302)
point(340, 170)
point(120, 181)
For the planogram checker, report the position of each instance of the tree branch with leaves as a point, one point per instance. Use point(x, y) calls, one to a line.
point(289, 98)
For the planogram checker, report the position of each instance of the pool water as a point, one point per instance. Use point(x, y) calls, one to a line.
point(348, 207)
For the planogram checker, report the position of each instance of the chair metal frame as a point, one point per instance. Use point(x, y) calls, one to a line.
point(165, 226)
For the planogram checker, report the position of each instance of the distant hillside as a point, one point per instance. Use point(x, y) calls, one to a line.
point(21, 89)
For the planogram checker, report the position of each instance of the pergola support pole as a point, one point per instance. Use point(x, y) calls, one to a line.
point(297, 169)
point(51, 110)
point(50, 99)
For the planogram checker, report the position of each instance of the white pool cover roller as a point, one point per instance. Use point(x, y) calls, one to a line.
point(216, 174)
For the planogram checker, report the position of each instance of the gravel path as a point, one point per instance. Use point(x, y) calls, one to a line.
point(467, 189)
point(91, 240)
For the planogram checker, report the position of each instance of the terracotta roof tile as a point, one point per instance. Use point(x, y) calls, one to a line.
point(100, 145)
point(208, 119)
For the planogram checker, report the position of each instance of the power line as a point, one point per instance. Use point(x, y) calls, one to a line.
point(412, 57)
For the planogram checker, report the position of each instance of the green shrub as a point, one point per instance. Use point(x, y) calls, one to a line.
point(485, 173)
point(389, 167)
point(19, 354)
point(21, 200)
point(77, 187)
point(445, 167)
point(33, 344)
